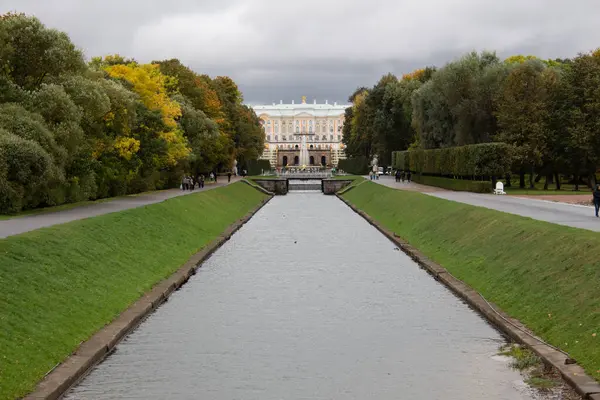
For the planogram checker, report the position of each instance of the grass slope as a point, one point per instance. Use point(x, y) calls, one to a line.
point(546, 275)
point(61, 284)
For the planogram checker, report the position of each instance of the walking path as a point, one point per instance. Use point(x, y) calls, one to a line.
point(574, 215)
point(18, 225)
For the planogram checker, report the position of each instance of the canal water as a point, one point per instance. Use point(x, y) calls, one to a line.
point(308, 301)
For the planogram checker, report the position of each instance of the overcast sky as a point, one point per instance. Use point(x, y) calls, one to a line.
point(324, 49)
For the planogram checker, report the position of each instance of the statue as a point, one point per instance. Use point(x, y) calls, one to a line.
point(303, 99)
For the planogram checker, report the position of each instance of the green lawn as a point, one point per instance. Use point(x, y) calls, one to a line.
point(63, 207)
point(546, 275)
point(59, 285)
point(565, 188)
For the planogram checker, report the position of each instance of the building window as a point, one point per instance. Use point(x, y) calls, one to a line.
point(331, 137)
point(324, 137)
point(276, 138)
point(297, 129)
point(316, 137)
point(339, 138)
point(269, 138)
point(310, 129)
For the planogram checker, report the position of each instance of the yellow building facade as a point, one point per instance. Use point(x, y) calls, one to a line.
point(289, 127)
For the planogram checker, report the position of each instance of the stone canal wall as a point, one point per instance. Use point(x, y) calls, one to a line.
point(277, 186)
point(332, 186)
point(570, 371)
point(104, 342)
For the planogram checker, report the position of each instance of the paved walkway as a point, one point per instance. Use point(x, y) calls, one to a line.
point(18, 225)
point(574, 215)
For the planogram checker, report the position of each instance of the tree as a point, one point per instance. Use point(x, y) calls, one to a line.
point(153, 87)
point(583, 144)
point(523, 114)
point(33, 53)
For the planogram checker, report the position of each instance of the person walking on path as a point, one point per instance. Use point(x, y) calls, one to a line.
point(597, 199)
point(408, 176)
point(215, 177)
point(229, 177)
point(201, 181)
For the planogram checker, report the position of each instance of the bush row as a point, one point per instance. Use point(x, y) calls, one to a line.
point(478, 160)
point(459, 185)
point(355, 165)
point(256, 167)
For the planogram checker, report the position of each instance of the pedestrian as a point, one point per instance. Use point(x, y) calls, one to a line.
point(229, 177)
point(408, 176)
point(597, 199)
point(201, 181)
point(211, 176)
point(397, 175)
point(183, 182)
point(216, 176)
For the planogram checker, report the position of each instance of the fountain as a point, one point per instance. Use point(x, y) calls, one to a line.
point(304, 159)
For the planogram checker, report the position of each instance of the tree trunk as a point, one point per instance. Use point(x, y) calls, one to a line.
point(538, 178)
point(576, 183)
point(494, 181)
point(557, 179)
point(547, 181)
point(508, 183)
point(522, 178)
point(531, 184)
point(592, 181)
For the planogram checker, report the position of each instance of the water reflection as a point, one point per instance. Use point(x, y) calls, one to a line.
point(308, 301)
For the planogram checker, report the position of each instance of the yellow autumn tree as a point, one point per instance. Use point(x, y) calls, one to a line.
point(415, 75)
point(152, 88)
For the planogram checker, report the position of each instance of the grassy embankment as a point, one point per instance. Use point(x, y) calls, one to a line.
point(545, 275)
point(69, 206)
point(61, 284)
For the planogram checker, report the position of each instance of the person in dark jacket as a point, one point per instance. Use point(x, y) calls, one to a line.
point(597, 199)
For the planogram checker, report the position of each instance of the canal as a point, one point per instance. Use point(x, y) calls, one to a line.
point(308, 301)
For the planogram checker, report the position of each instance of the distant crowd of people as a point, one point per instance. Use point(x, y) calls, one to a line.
point(402, 176)
point(189, 182)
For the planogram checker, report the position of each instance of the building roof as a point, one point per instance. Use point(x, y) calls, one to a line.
point(292, 110)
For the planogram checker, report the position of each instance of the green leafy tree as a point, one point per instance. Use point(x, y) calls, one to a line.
point(33, 53)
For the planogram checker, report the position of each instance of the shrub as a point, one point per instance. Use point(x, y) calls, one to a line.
point(355, 165)
point(17, 120)
point(26, 168)
point(471, 161)
point(460, 185)
point(255, 167)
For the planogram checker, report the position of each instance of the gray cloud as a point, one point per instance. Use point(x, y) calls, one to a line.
point(282, 50)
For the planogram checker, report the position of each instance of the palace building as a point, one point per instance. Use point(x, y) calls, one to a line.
point(293, 130)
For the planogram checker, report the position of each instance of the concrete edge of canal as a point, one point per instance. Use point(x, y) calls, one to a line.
point(572, 373)
point(104, 342)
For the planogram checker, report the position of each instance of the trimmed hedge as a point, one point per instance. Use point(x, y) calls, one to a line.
point(256, 167)
point(459, 185)
point(355, 165)
point(471, 161)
